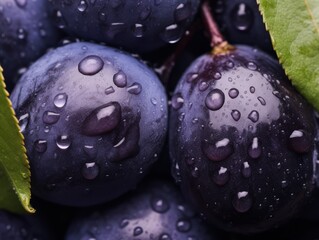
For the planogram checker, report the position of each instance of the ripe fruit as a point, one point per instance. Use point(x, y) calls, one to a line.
point(138, 26)
point(26, 33)
point(242, 140)
point(94, 121)
point(241, 23)
point(157, 211)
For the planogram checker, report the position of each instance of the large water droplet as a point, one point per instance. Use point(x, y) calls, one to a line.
point(40, 145)
point(135, 89)
point(242, 17)
point(23, 122)
point(50, 117)
point(246, 170)
point(253, 116)
point(242, 202)
point(255, 150)
point(63, 142)
point(60, 100)
point(137, 231)
point(221, 177)
point(183, 225)
point(219, 151)
point(102, 119)
point(235, 115)
point(90, 170)
point(182, 11)
point(177, 101)
point(215, 99)
point(90, 65)
point(300, 141)
point(261, 100)
point(233, 93)
point(159, 204)
point(120, 80)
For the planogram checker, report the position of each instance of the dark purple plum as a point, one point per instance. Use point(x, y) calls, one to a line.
point(26, 32)
point(156, 211)
point(94, 121)
point(241, 23)
point(242, 140)
point(138, 26)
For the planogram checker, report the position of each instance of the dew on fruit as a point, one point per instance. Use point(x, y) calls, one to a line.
point(253, 116)
point(203, 86)
point(102, 119)
point(246, 170)
point(90, 170)
point(90, 65)
point(215, 100)
point(177, 101)
point(124, 223)
point(120, 79)
point(23, 122)
point(63, 142)
point(165, 236)
point(233, 93)
point(60, 100)
point(137, 231)
point(261, 100)
point(221, 177)
point(183, 225)
point(135, 89)
point(119, 143)
point(82, 6)
point(182, 12)
point(159, 204)
point(242, 202)
point(138, 30)
point(109, 90)
point(217, 75)
point(192, 77)
point(90, 151)
point(299, 141)
point(219, 151)
point(195, 172)
point(50, 117)
point(40, 145)
point(255, 150)
point(22, 34)
point(171, 34)
point(235, 115)
point(242, 17)
point(252, 89)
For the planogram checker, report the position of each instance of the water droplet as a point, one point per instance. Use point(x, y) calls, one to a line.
point(300, 141)
point(215, 100)
point(21, 3)
point(235, 115)
point(90, 65)
point(233, 93)
point(242, 202)
point(159, 204)
point(120, 80)
point(82, 6)
point(183, 12)
point(177, 101)
point(137, 231)
point(195, 172)
point(252, 89)
point(246, 170)
point(203, 86)
point(138, 30)
point(102, 119)
point(221, 177)
point(253, 116)
point(165, 236)
point(109, 90)
point(23, 122)
point(251, 66)
point(90, 151)
point(124, 223)
point(217, 75)
point(22, 34)
point(50, 117)
point(40, 145)
point(154, 101)
point(255, 150)
point(172, 33)
point(219, 151)
point(284, 184)
point(262, 101)
point(60, 100)
point(242, 17)
point(192, 77)
point(90, 170)
point(63, 142)
point(183, 225)
point(135, 89)
point(230, 64)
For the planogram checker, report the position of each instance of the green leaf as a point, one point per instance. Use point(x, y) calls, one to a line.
point(294, 29)
point(14, 167)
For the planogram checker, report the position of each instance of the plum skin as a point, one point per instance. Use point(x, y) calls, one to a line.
point(234, 188)
point(71, 162)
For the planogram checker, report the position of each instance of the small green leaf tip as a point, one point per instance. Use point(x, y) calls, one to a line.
point(294, 30)
point(15, 193)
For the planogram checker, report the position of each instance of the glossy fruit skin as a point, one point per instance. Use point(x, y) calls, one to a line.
point(241, 23)
point(234, 144)
point(156, 211)
point(27, 31)
point(94, 121)
point(138, 26)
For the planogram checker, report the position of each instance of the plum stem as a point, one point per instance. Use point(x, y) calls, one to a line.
point(218, 43)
